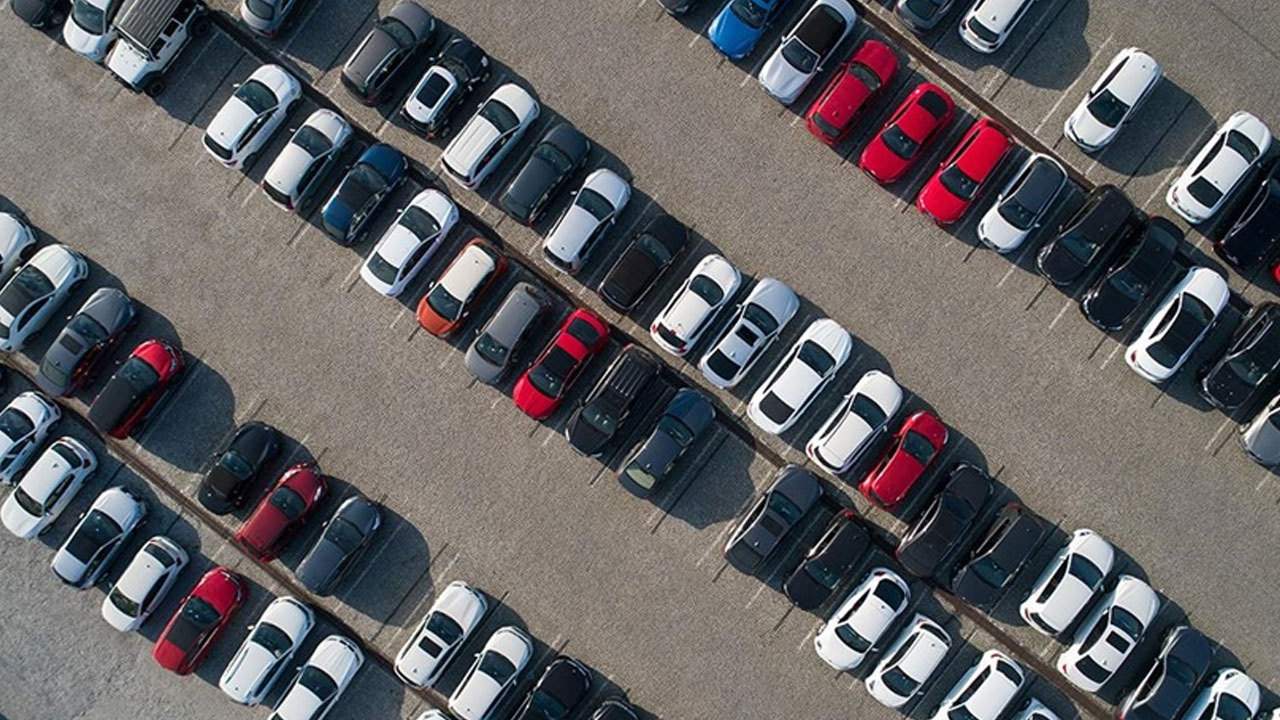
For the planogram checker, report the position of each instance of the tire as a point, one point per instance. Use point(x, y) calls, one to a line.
point(56, 18)
point(25, 253)
point(293, 107)
point(153, 87)
point(200, 26)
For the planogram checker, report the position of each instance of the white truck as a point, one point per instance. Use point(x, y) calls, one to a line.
point(152, 34)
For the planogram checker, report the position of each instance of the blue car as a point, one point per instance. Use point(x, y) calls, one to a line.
point(346, 214)
point(738, 27)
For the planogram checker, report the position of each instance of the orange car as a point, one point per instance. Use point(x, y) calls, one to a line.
point(448, 301)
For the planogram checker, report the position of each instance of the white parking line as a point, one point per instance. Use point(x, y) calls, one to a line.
point(808, 638)
point(1114, 350)
point(1070, 91)
point(1265, 478)
point(728, 527)
point(399, 315)
point(1016, 263)
point(702, 32)
point(350, 280)
point(757, 594)
point(369, 563)
point(1048, 649)
point(496, 401)
point(1213, 440)
point(1061, 312)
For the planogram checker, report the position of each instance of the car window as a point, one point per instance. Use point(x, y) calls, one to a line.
point(865, 76)
point(15, 424)
point(852, 639)
point(899, 143)
point(958, 183)
point(749, 13)
point(289, 503)
point(499, 115)
point(24, 288)
point(707, 289)
point(594, 203)
point(867, 409)
point(95, 531)
point(497, 667)
point(1205, 192)
point(583, 331)
point(1055, 579)
point(918, 447)
point(890, 593)
point(1237, 141)
point(973, 686)
point(782, 505)
point(318, 682)
point(444, 627)
point(813, 355)
point(1209, 156)
point(256, 96)
point(398, 31)
point(801, 58)
point(1086, 571)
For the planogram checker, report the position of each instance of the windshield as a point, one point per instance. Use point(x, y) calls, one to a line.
point(432, 89)
point(782, 505)
point(1237, 141)
point(139, 374)
point(899, 143)
point(499, 115)
point(491, 350)
point(547, 706)
point(90, 330)
point(899, 682)
point(312, 141)
point(865, 76)
point(1077, 244)
point(261, 8)
point(90, 18)
point(289, 503)
point(1229, 708)
point(594, 203)
point(15, 424)
point(398, 31)
point(444, 627)
point(1085, 571)
point(707, 289)
point(1193, 316)
point(960, 185)
point(982, 31)
point(1016, 215)
point(821, 574)
point(345, 535)
point(761, 318)
point(867, 409)
point(419, 222)
point(235, 465)
point(1127, 622)
point(851, 638)
point(1245, 367)
point(800, 57)
point(1205, 192)
point(676, 430)
point(599, 418)
point(446, 305)
point(814, 356)
point(319, 683)
point(27, 503)
point(95, 531)
point(124, 603)
point(27, 286)
point(559, 162)
point(272, 639)
point(381, 269)
point(549, 375)
point(749, 13)
point(1107, 109)
point(497, 667)
point(918, 447)
point(257, 96)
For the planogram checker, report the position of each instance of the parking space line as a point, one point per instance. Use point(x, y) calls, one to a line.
point(1061, 312)
point(1265, 478)
point(1029, 40)
point(702, 32)
point(370, 562)
point(1112, 354)
point(1070, 91)
point(1216, 433)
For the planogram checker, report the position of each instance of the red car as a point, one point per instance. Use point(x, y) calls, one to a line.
point(961, 177)
point(917, 443)
point(298, 491)
point(540, 389)
point(858, 81)
point(136, 389)
point(908, 131)
point(199, 620)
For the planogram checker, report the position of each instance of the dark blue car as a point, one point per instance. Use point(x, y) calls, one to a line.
point(741, 23)
point(378, 171)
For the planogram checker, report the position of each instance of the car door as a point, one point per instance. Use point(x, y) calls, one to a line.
point(152, 598)
point(417, 257)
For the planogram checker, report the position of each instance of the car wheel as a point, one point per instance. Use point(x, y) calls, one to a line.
point(25, 253)
point(200, 27)
point(57, 18)
point(153, 87)
point(292, 106)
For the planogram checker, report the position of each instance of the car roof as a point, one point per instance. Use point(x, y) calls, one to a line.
point(143, 20)
point(475, 263)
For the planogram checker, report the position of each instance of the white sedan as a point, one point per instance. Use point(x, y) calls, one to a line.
point(694, 306)
point(265, 654)
point(1178, 324)
point(247, 120)
point(98, 538)
point(909, 663)
point(755, 325)
point(1202, 189)
point(810, 364)
point(298, 169)
point(411, 241)
point(496, 670)
point(24, 425)
point(856, 423)
point(595, 208)
point(1109, 634)
point(17, 243)
point(318, 685)
point(805, 48)
point(36, 292)
point(143, 584)
point(985, 691)
point(1232, 696)
point(452, 618)
point(1069, 583)
point(1112, 101)
point(47, 488)
point(862, 619)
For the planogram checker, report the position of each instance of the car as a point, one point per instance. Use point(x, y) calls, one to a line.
point(963, 175)
point(789, 497)
point(1105, 639)
point(264, 655)
point(1112, 101)
point(137, 388)
point(199, 621)
point(604, 410)
point(862, 620)
point(619, 709)
point(281, 511)
point(236, 467)
point(901, 141)
point(754, 326)
point(1255, 232)
point(1178, 324)
point(1068, 583)
point(1033, 709)
point(494, 673)
point(909, 662)
point(1248, 364)
point(47, 488)
point(25, 423)
point(303, 162)
point(88, 30)
point(321, 681)
point(449, 300)
point(40, 14)
point(915, 446)
point(366, 185)
point(1231, 695)
point(453, 617)
point(595, 208)
point(684, 420)
point(36, 291)
point(946, 523)
point(152, 36)
point(693, 308)
point(1129, 281)
point(1023, 203)
point(645, 259)
point(741, 23)
point(921, 16)
point(496, 344)
point(1105, 220)
point(1219, 168)
point(343, 541)
point(143, 585)
point(84, 342)
point(985, 691)
point(988, 24)
point(17, 243)
point(247, 120)
point(542, 387)
point(810, 364)
point(1171, 682)
point(561, 689)
point(1260, 437)
point(489, 135)
point(843, 545)
point(803, 50)
point(98, 538)
point(410, 242)
point(856, 84)
point(995, 561)
point(559, 155)
point(393, 41)
point(454, 73)
point(856, 424)
point(267, 17)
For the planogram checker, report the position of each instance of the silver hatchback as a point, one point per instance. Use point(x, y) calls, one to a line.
point(491, 353)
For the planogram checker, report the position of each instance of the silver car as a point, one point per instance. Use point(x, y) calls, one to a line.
point(491, 353)
point(266, 17)
point(99, 537)
point(24, 424)
point(84, 342)
point(36, 292)
point(297, 170)
point(1260, 437)
point(17, 244)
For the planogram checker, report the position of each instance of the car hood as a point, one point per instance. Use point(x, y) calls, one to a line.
point(639, 270)
point(1060, 266)
point(781, 79)
point(17, 520)
point(804, 591)
point(730, 35)
point(998, 232)
point(371, 55)
point(320, 565)
point(1227, 387)
point(1087, 128)
point(90, 45)
point(849, 436)
point(968, 586)
point(1108, 307)
point(570, 234)
point(477, 695)
point(1066, 602)
point(127, 63)
point(255, 664)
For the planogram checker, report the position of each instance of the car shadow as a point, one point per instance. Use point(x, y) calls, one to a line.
point(398, 555)
point(1141, 145)
point(712, 492)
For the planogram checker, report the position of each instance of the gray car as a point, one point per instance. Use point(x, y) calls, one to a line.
point(266, 17)
point(390, 45)
point(1260, 437)
point(79, 349)
point(491, 353)
point(921, 15)
point(793, 492)
point(685, 419)
point(344, 538)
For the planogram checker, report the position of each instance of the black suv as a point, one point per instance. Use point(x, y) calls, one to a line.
point(1106, 217)
point(648, 256)
point(596, 421)
point(946, 523)
point(558, 156)
point(997, 559)
point(1112, 301)
point(1249, 363)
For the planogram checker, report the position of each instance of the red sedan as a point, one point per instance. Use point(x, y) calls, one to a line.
point(135, 390)
point(540, 389)
point(961, 177)
point(282, 510)
point(916, 445)
point(858, 81)
point(199, 621)
point(907, 132)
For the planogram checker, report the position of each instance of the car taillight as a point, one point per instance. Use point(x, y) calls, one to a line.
point(1133, 356)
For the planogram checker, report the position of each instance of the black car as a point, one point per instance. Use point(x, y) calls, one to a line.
point(562, 687)
point(793, 492)
point(227, 484)
point(344, 538)
point(615, 709)
point(997, 559)
point(602, 411)
point(1105, 219)
point(946, 523)
point(839, 549)
point(1112, 301)
point(649, 255)
point(560, 154)
point(85, 341)
point(1249, 363)
point(1254, 234)
point(41, 13)
point(685, 419)
point(391, 43)
point(1171, 682)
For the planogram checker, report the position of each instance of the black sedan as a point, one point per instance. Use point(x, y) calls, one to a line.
point(946, 523)
point(1112, 301)
point(1249, 364)
point(997, 559)
point(562, 687)
point(557, 157)
point(391, 43)
point(649, 255)
point(80, 348)
point(605, 408)
point(344, 538)
point(793, 492)
point(1106, 218)
point(684, 420)
point(227, 484)
point(41, 13)
point(1254, 234)
point(1170, 683)
point(839, 549)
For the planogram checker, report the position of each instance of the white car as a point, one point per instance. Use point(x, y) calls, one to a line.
point(985, 691)
point(406, 246)
point(1178, 324)
point(988, 23)
point(265, 654)
point(143, 584)
point(693, 307)
point(297, 170)
point(755, 325)
point(909, 663)
point(1109, 634)
point(854, 426)
point(24, 425)
point(1232, 696)
point(1215, 171)
point(862, 619)
point(318, 685)
point(595, 207)
point(489, 135)
point(807, 368)
point(1022, 204)
point(98, 538)
point(1112, 101)
point(1035, 710)
point(36, 292)
point(47, 488)
point(496, 670)
point(248, 119)
point(17, 243)
point(805, 48)
point(89, 30)
point(1069, 583)
point(454, 615)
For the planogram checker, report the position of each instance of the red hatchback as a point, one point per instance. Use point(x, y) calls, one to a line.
point(199, 620)
point(907, 132)
point(858, 81)
point(913, 449)
point(540, 389)
point(281, 511)
point(135, 390)
point(961, 177)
